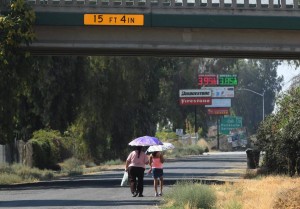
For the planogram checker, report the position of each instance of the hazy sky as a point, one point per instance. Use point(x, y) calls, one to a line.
point(288, 73)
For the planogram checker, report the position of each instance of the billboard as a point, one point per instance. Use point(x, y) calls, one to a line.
point(220, 91)
point(228, 80)
point(194, 93)
point(218, 111)
point(207, 80)
point(220, 103)
point(217, 80)
point(195, 101)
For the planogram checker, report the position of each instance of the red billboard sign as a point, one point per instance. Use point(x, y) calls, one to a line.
point(218, 111)
point(207, 80)
point(195, 101)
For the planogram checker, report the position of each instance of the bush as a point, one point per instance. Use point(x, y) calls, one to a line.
point(114, 162)
point(279, 136)
point(48, 149)
point(18, 173)
point(188, 150)
point(72, 167)
point(165, 135)
point(189, 195)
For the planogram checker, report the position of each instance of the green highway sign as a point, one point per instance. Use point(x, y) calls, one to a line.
point(228, 123)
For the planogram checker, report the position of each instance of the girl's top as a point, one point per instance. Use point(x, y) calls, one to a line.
point(156, 163)
point(135, 161)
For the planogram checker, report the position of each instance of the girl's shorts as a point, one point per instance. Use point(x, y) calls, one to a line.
point(157, 172)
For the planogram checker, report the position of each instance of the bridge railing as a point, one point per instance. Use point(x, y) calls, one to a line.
point(222, 4)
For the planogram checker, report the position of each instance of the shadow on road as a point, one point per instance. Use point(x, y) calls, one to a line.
point(66, 203)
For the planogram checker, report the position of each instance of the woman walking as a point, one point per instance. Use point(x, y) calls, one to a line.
point(156, 164)
point(135, 166)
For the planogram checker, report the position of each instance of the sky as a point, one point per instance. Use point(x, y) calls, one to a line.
point(288, 73)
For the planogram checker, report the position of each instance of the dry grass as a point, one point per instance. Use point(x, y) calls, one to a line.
point(203, 143)
point(274, 192)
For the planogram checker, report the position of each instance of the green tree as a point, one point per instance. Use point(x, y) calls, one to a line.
point(259, 76)
point(15, 31)
point(279, 135)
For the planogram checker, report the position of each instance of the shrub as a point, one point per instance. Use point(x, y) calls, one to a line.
point(72, 166)
point(48, 149)
point(189, 195)
point(165, 135)
point(18, 173)
point(279, 136)
point(114, 162)
point(188, 150)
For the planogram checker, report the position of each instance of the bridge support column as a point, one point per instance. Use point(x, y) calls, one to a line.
point(209, 3)
point(234, 3)
point(283, 4)
point(296, 4)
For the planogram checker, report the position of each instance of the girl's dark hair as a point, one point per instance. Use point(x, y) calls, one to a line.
point(139, 149)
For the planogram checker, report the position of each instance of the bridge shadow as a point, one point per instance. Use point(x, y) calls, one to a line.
point(73, 203)
point(242, 160)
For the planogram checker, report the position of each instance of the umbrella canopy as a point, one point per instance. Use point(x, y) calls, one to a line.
point(158, 148)
point(145, 141)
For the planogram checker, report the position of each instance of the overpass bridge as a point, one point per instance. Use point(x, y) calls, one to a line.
point(207, 28)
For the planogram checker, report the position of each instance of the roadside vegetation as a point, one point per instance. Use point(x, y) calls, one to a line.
point(18, 173)
point(278, 192)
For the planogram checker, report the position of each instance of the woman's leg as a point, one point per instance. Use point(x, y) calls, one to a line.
point(132, 179)
point(140, 184)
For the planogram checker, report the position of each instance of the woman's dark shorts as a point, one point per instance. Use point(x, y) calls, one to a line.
point(157, 172)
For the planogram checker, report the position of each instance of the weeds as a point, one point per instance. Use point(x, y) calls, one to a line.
point(187, 150)
point(18, 173)
point(273, 192)
point(114, 162)
point(72, 166)
point(190, 195)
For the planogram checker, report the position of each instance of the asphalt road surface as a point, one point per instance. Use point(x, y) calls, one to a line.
point(102, 190)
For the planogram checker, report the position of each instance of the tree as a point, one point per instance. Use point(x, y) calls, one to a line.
point(15, 30)
point(259, 76)
point(279, 135)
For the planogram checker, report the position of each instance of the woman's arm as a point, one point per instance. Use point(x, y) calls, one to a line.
point(126, 165)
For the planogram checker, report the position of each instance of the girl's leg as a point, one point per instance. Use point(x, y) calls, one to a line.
point(155, 185)
point(161, 184)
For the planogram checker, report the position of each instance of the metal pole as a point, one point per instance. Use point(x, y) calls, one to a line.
point(218, 134)
point(263, 95)
point(195, 120)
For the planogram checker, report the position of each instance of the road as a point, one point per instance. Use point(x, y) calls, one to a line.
point(102, 190)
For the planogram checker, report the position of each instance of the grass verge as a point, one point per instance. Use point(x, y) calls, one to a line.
point(262, 193)
point(189, 195)
point(17, 173)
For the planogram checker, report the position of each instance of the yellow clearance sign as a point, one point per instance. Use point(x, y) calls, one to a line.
point(114, 19)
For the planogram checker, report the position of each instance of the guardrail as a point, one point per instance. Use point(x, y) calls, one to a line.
point(196, 4)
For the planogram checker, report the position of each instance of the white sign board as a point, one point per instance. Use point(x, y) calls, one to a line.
point(219, 91)
point(220, 103)
point(179, 132)
point(194, 93)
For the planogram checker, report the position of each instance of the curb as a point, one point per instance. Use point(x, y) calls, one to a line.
point(103, 183)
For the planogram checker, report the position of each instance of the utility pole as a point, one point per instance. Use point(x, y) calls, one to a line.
point(218, 133)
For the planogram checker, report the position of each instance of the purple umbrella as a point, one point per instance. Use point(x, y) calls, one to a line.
point(145, 141)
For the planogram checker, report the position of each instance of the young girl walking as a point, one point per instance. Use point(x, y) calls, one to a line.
point(156, 165)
